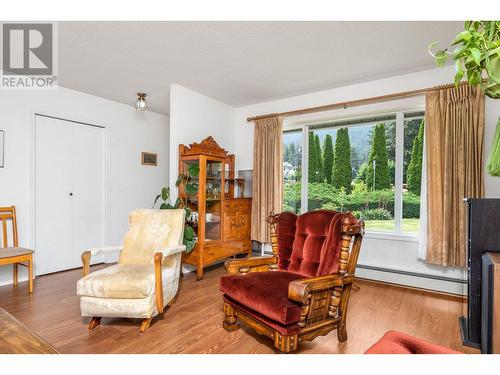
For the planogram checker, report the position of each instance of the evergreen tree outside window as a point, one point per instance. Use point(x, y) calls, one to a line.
point(292, 171)
point(352, 166)
point(377, 173)
point(342, 172)
point(328, 158)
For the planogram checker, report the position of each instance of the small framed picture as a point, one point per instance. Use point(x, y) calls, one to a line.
point(149, 158)
point(2, 146)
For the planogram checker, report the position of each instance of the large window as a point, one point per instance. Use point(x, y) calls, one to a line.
point(371, 167)
point(292, 170)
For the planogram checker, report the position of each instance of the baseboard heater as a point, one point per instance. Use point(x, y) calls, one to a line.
point(410, 273)
point(402, 272)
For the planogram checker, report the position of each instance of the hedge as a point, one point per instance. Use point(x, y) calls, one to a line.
point(324, 195)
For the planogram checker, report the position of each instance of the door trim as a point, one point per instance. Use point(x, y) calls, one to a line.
point(73, 121)
point(32, 173)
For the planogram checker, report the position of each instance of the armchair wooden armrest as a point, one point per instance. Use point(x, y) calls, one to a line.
point(86, 255)
point(158, 260)
point(251, 264)
point(158, 263)
point(310, 292)
point(300, 290)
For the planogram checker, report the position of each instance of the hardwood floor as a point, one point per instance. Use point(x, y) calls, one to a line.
point(194, 323)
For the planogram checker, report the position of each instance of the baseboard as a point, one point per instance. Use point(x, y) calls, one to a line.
point(19, 280)
point(411, 279)
point(187, 268)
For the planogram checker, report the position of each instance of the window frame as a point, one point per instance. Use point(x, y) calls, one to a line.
point(305, 127)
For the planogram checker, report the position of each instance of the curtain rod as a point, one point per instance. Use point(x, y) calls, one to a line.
point(353, 103)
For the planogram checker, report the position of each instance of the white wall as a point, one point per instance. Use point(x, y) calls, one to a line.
point(132, 185)
point(396, 253)
point(194, 117)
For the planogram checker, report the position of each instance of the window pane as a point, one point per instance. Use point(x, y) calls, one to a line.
point(412, 173)
point(352, 169)
point(292, 170)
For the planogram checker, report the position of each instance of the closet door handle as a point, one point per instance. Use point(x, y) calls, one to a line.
point(70, 194)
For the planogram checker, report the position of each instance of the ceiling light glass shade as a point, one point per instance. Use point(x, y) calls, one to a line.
point(140, 103)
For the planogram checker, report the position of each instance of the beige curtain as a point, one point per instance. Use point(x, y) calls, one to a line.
point(454, 125)
point(267, 174)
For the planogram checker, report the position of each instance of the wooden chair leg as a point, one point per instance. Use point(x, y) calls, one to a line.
point(15, 273)
point(230, 319)
point(172, 301)
point(30, 272)
point(342, 331)
point(286, 344)
point(94, 322)
point(145, 324)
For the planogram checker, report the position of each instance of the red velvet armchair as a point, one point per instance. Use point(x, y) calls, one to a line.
point(394, 342)
point(302, 290)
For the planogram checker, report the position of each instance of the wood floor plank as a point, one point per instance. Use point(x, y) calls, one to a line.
point(193, 324)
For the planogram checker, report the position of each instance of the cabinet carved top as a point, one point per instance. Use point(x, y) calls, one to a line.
point(207, 147)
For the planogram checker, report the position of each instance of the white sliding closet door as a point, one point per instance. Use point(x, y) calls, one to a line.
point(69, 192)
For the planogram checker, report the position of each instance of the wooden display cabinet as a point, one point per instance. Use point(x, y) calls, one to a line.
point(221, 217)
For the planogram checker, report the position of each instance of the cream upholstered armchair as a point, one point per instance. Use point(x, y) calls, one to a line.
point(146, 278)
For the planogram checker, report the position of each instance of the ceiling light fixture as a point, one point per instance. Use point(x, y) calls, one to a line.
point(140, 103)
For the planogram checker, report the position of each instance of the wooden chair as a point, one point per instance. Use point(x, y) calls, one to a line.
point(302, 290)
point(14, 255)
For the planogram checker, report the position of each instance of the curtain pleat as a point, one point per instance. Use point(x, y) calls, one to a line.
point(267, 187)
point(454, 121)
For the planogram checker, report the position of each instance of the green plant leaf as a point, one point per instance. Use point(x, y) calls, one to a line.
point(187, 212)
point(190, 244)
point(180, 179)
point(431, 46)
point(164, 206)
point(440, 58)
point(194, 170)
point(191, 189)
point(457, 52)
point(459, 72)
point(188, 233)
point(476, 55)
point(177, 203)
point(165, 193)
point(156, 199)
point(474, 77)
point(462, 37)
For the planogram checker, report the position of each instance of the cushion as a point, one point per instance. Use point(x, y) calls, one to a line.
point(394, 342)
point(118, 281)
point(9, 252)
point(285, 231)
point(284, 330)
point(265, 293)
point(150, 231)
point(118, 307)
point(309, 244)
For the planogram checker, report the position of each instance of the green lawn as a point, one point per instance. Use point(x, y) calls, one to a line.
point(409, 225)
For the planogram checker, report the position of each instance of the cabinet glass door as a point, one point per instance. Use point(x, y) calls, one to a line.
point(191, 200)
point(213, 201)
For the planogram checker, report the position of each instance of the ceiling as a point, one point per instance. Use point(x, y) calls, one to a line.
point(238, 63)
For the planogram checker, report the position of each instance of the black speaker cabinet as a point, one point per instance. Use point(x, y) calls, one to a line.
point(483, 235)
point(490, 322)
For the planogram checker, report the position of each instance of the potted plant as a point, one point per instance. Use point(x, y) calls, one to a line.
point(476, 55)
point(191, 189)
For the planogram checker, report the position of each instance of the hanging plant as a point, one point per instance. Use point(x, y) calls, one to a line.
point(191, 189)
point(476, 54)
